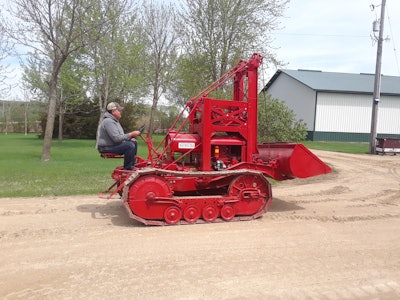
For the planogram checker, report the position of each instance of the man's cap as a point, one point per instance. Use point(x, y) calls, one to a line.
point(114, 106)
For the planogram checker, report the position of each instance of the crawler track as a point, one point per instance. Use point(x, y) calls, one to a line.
point(149, 198)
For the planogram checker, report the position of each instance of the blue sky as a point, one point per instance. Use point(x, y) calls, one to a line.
point(336, 36)
point(323, 35)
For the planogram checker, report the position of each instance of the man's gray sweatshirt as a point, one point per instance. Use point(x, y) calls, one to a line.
point(111, 132)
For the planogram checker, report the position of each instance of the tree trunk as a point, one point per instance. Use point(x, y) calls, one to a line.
point(153, 106)
point(60, 123)
point(51, 115)
point(26, 119)
point(103, 100)
point(151, 121)
point(102, 110)
point(60, 117)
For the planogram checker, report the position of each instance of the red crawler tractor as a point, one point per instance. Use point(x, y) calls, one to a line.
point(215, 170)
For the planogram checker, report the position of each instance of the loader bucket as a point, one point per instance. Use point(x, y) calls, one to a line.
point(293, 160)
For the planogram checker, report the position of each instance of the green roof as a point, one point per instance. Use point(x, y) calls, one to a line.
point(341, 82)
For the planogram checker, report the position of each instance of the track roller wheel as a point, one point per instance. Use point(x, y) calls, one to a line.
point(191, 214)
point(227, 212)
point(172, 215)
point(210, 213)
point(253, 192)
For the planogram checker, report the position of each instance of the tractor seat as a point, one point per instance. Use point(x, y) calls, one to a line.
point(111, 155)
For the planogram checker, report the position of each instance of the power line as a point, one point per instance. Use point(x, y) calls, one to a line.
point(392, 38)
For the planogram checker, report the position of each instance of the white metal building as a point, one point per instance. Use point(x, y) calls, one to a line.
point(338, 106)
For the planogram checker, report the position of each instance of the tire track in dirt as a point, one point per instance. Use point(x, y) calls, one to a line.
point(358, 183)
point(333, 218)
point(327, 237)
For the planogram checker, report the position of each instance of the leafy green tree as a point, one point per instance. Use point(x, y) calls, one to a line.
point(277, 123)
point(35, 76)
point(192, 76)
point(5, 48)
point(55, 28)
point(168, 114)
point(115, 63)
point(81, 123)
point(70, 88)
point(216, 34)
point(158, 22)
point(109, 68)
point(71, 92)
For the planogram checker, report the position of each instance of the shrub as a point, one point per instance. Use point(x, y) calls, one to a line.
point(277, 123)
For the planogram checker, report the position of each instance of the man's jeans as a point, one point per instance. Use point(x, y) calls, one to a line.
point(127, 148)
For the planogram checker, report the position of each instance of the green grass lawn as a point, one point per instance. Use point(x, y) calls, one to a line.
point(76, 167)
point(355, 148)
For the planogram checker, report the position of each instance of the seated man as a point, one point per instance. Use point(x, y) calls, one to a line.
point(112, 138)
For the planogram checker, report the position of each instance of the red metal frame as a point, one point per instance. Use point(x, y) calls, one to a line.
point(209, 117)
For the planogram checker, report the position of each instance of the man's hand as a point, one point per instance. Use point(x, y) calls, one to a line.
point(134, 134)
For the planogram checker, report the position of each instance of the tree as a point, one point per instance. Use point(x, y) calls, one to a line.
point(5, 48)
point(71, 92)
point(115, 63)
point(55, 28)
point(217, 33)
point(277, 123)
point(158, 25)
point(36, 73)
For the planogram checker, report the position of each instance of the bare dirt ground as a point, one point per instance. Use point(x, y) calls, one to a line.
point(335, 236)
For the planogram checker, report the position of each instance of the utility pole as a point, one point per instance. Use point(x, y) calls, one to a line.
point(377, 84)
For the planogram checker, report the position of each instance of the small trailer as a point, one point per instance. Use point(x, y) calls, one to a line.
point(387, 145)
